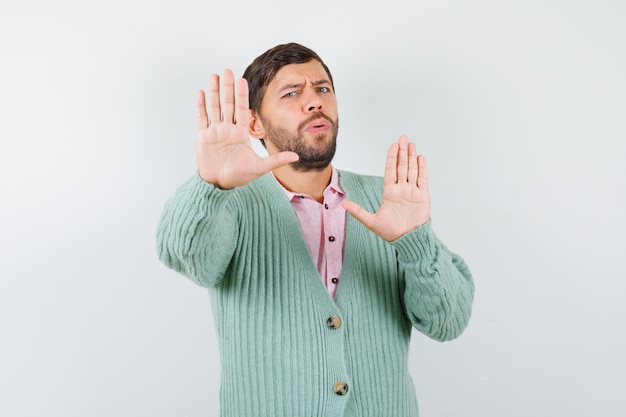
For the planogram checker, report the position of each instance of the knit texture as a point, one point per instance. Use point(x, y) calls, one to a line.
point(278, 355)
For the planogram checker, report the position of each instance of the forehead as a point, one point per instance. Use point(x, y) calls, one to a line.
point(311, 71)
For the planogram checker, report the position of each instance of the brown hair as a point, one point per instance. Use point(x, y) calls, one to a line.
point(265, 67)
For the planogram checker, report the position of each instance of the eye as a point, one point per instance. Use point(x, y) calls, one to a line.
point(291, 94)
point(323, 89)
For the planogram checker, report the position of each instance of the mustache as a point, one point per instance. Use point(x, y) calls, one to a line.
point(315, 116)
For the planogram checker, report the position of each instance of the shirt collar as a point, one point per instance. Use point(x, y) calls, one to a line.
point(334, 185)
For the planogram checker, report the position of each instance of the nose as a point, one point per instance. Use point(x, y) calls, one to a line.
point(315, 107)
point(312, 101)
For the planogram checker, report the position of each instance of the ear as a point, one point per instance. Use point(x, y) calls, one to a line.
point(256, 128)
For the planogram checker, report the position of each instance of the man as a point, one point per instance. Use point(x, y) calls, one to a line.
point(313, 311)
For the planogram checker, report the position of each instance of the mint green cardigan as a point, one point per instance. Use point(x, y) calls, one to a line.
point(280, 355)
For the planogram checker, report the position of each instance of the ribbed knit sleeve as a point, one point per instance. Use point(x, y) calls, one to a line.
point(197, 233)
point(439, 287)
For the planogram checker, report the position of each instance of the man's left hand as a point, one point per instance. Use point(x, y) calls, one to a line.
point(406, 201)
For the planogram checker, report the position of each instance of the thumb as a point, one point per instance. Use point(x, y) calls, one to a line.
point(277, 160)
point(359, 213)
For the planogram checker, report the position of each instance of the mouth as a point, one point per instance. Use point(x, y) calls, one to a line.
point(317, 126)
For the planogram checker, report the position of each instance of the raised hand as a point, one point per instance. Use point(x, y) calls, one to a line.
point(406, 201)
point(224, 153)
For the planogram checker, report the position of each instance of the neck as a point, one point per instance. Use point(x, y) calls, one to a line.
point(312, 183)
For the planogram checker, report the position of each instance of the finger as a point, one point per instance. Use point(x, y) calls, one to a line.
point(413, 171)
point(215, 113)
point(359, 213)
point(422, 179)
point(201, 116)
point(391, 167)
point(403, 159)
point(277, 160)
point(242, 110)
point(228, 97)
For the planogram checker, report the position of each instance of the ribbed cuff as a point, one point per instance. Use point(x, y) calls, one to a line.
point(420, 245)
point(199, 189)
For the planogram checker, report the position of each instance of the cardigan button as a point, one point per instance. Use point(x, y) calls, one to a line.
point(333, 322)
point(340, 388)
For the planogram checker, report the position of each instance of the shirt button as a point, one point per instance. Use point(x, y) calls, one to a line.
point(334, 280)
point(333, 322)
point(341, 388)
point(326, 206)
point(331, 238)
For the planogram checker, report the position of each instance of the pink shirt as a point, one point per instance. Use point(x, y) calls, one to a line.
point(323, 226)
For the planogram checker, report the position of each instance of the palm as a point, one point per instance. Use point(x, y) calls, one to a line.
point(406, 200)
point(225, 156)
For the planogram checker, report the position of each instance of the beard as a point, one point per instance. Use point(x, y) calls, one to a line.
point(314, 156)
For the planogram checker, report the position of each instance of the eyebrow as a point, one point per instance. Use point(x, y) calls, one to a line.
point(296, 85)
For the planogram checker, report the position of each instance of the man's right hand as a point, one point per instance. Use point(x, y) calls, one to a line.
point(225, 155)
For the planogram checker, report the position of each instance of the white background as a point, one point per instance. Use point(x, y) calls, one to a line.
point(519, 107)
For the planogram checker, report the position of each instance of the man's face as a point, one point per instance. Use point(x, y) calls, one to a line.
point(299, 113)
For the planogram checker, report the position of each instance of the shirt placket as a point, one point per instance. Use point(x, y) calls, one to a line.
point(333, 240)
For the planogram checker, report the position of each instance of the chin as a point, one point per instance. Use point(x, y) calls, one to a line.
point(310, 166)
